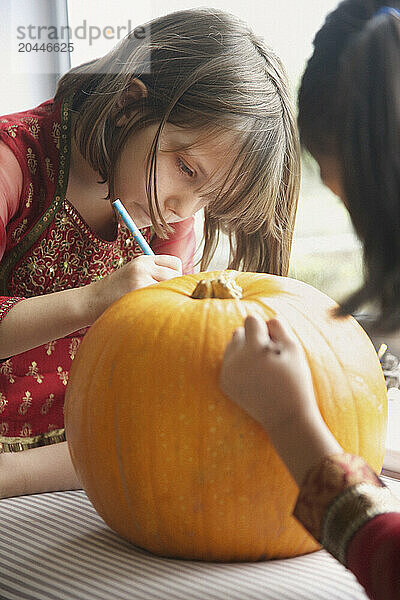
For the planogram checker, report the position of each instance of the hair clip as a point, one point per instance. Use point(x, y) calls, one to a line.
point(383, 10)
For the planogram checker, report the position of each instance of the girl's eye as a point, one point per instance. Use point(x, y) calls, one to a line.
point(184, 168)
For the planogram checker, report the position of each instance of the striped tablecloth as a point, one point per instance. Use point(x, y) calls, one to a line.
point(55, 547)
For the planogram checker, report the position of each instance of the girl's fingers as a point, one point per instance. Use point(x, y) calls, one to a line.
point(279, 332)
point(238, 335)
point(166, 260)
point(163, 273)
point(256, 332)
point(236, 341)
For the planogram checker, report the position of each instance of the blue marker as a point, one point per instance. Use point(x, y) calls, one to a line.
point(132, 227)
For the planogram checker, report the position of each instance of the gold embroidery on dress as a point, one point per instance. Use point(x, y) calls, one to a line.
point(30, 265)
point(50, 347)
point(12, 130)
point(26, 430)
point(63, 222)
point(56, 132)
point(33, 126)
point(49, 169)
point(25, 404)
point(73, 347)
point(34, 372)
point(85, 268)
point(16, 444)
point(7, 370)
point(30, 195)
point(20, 230)
point(63, 375)
point(4, 427)
point(70, 256)
point(32, 162)
point(44, 409)
point(63, 164)
point(42, 201)
point(3, 403)
point(66, 265)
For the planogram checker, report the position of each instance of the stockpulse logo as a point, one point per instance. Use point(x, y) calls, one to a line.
point(64, 33)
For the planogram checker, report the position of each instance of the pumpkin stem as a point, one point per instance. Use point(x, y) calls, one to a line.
point(222, 287)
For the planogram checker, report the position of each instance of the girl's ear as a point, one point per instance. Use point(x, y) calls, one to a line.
point(128, 101)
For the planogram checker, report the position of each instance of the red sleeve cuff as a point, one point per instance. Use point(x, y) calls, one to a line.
point(373, 555)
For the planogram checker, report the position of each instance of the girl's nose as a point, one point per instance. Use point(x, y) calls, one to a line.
point(180, 210)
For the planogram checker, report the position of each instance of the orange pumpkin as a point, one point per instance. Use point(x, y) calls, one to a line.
point(166, 459)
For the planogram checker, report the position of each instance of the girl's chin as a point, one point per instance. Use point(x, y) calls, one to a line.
point(141, 222)
point(141, 217)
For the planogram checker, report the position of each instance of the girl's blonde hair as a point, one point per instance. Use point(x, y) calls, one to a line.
point(209, 72)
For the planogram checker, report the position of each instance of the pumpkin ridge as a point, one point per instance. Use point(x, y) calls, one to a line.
point(124, 336)
point(150, 484)
point(203, 491)
point(169, 318)
point(87, 382)
point(117, 447)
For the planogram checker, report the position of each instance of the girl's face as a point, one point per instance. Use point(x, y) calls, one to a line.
point(183, 175)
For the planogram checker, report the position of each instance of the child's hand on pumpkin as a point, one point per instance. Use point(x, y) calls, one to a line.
point(266, 373)
point(140, 272)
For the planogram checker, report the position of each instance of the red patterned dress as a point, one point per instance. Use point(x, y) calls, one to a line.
point(45, 247)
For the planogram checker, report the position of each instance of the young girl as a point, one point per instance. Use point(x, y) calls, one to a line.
point(195, 115)
point(349, 117)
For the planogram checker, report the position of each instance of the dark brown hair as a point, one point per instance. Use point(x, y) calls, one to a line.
point(208, 72)
point(349, 108)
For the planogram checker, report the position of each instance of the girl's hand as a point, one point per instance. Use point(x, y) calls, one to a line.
point(140, 272)
point(265, 371)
